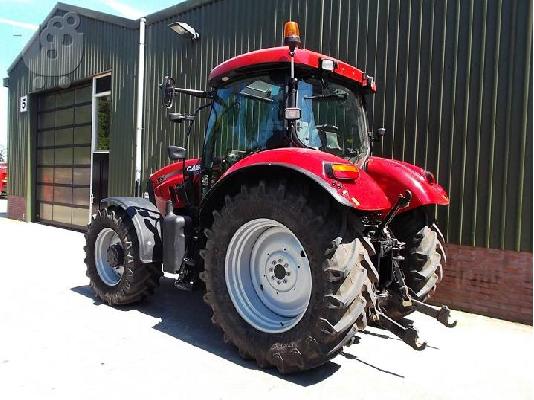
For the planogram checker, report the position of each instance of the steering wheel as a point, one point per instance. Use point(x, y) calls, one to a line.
point(327, 128)
point(167, 92)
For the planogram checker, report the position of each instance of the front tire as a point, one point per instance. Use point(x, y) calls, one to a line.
point(115, 272)
point(330, 274)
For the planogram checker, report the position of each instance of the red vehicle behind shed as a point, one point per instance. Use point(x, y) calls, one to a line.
point(3, 179)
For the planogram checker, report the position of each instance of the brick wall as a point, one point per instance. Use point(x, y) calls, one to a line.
point(16, 207)
point(495, 283)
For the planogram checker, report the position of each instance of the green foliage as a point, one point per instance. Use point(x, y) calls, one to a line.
point(104, 122)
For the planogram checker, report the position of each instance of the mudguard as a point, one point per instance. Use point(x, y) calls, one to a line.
point(394, 177)
point(147, 222)
point(362, 194)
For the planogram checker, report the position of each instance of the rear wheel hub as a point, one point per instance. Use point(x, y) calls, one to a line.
point(115, 255)
point(109, 257)
point(268, 275)
point(279, 271)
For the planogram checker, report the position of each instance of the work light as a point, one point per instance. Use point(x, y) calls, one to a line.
point(328, 65)
point(182, 28)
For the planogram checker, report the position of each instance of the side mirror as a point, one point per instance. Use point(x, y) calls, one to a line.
point(292, 113)
point(176, 153)
point(381, 132)
point(378, 135)
point(167, 92)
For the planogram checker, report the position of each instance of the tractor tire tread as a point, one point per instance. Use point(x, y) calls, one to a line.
point(346, 275)
point(139, 280)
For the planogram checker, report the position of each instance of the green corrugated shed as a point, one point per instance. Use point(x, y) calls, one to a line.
point(109, 44)
point(454, 91)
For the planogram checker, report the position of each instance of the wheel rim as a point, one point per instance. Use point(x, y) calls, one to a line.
point(106, 242)
point(268, 275)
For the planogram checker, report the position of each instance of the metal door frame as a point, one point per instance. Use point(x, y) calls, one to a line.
point(94, 97)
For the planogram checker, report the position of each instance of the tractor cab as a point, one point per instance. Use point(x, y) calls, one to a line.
point(281, 97)
point(249, 115)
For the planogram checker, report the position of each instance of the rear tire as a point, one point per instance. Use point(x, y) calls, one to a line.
point(424, 255)
point(341, 272)
point(133, 280)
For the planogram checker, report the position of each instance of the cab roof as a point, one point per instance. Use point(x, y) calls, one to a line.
point(280, 55)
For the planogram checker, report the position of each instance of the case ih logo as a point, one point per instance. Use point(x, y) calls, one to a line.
point(58, 52)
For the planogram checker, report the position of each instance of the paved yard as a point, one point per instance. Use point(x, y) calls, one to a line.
point(57, 341)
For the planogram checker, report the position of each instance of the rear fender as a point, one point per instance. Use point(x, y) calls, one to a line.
point(395, 177)
point(362, 194)
point(147, 222)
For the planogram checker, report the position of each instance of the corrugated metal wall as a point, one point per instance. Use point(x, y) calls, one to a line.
point(106, 47)
point(454, 90)
point(18, 128)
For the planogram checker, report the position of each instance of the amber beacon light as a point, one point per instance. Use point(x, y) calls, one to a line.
point(291, 35)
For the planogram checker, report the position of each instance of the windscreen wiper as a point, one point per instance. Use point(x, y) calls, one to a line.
point(327, 128)
point(342, 96)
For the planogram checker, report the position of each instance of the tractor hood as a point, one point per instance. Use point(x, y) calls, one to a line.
point(362, 193)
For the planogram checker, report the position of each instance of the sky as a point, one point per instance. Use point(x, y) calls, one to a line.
point(20, 18)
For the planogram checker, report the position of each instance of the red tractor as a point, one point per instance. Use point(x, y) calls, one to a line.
point(297, 234)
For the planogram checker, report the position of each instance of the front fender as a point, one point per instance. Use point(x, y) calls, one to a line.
point(147, 222)
point(362, 194)
point(394, 177)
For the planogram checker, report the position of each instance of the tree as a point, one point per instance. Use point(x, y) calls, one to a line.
point(3, 153)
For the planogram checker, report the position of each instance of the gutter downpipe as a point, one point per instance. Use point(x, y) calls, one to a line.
point(140, 98)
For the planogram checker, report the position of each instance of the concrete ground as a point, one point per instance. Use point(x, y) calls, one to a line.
point(58, 341)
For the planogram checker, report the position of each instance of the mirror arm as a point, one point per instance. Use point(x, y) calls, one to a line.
point(194, 92)
point(371, 137)
point(195, 115)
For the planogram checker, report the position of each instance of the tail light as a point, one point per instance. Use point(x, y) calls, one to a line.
point(342, 172)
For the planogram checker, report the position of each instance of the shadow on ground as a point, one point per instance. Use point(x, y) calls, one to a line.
point(185, 316)
point(353, 357)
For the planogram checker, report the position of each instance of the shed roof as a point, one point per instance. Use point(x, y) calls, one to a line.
point(177, 10)
point(108, 18)
point(112, 19)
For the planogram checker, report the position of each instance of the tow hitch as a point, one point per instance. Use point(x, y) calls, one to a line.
point(442, 314)
point(390, 247)
point(408, 334)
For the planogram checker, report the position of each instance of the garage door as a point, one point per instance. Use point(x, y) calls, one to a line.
point(64, 157)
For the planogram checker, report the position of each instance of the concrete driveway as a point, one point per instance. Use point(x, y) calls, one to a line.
point(58, 341)
point(3, 208)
